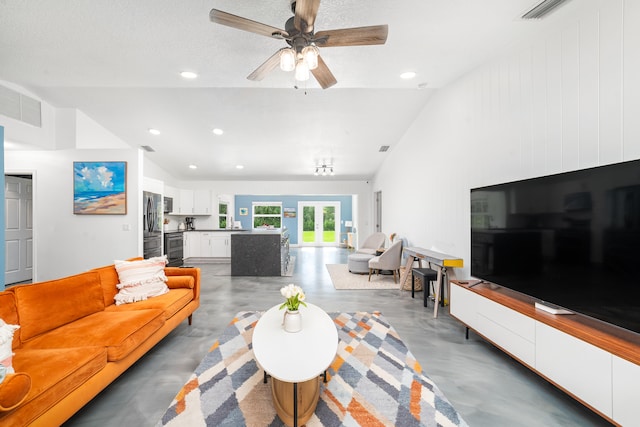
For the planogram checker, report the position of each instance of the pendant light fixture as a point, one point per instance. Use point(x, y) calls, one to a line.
point(323, 170)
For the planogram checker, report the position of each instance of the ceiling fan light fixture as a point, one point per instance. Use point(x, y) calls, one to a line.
point(302, 71)
point(287, 59)
point(310, 55)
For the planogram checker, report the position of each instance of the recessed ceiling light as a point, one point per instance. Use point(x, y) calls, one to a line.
point(153, 131)
point(218, 131)
point(408, 75)
point(188, 74)
point(239, 167)
point(193, 167)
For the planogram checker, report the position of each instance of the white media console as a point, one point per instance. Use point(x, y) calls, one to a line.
point(596, 363)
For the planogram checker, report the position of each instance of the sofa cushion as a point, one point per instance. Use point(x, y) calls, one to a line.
point(121, 332)
point(108, 282)
point(170, 303)
point(141, 279)
point(9, 313)
point(14, 390)
point(47, 305)
point(174, 282)
point(54, 373)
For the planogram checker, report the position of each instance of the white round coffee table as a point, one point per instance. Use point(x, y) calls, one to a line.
point(295, 361)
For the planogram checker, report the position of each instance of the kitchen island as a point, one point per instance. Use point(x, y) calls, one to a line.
point(260, 253)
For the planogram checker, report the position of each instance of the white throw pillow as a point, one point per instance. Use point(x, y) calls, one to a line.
point(6, 339)
point(140, 280)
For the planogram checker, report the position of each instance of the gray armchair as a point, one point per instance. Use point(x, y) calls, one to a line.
point(391, 259)
point(372, 243)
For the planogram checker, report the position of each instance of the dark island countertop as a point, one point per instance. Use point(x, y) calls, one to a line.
point(257, 253)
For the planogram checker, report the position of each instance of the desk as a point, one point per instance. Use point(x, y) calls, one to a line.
point(295, 360)
point(436, 260)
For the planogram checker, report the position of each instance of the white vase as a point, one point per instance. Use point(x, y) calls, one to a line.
point(292, 321)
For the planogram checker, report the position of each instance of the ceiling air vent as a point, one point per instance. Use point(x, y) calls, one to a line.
point(383, 148)
point(543, 8)
point(148, 148)
point(20, 107)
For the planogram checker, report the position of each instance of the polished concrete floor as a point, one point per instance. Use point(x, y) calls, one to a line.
point(486, 386)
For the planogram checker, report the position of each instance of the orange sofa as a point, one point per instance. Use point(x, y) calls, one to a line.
point(73, 341)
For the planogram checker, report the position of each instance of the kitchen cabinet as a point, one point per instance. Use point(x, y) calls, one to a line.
point(206, 250)
point(221, 245)
point(194, 202)
point(207, 244)
point(215, 244)
point(191, 242)
point(185, 205)
point(202, 202)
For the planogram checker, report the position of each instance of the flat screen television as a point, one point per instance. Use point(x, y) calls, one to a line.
point(571, 240)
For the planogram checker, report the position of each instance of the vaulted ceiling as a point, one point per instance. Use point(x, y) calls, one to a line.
point(119, 62)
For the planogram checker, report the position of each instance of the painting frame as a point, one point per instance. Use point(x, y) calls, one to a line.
point(99, 188)
point(243, 211)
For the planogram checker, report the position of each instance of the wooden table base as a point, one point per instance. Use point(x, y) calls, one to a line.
point(308, 395)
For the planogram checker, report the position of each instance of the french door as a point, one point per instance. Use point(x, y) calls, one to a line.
point(319, 223)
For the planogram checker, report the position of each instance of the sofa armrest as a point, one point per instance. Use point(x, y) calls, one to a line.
point(191, 272)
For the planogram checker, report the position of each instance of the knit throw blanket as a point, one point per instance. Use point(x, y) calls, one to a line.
point(373, 381)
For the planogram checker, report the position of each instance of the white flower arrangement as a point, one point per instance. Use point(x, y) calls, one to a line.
point(294, 296)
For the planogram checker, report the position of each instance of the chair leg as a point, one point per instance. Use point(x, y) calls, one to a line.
point(370, 274)
point(394, 277)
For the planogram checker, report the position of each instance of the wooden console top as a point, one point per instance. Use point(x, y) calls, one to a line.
point(615, 340)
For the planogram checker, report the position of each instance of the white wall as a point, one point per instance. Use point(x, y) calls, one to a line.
point(65, 243)
point(567, 100)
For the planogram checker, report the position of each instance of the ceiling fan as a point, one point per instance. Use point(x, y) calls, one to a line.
point(302, 55)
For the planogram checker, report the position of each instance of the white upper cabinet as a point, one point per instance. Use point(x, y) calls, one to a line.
point(194, 202)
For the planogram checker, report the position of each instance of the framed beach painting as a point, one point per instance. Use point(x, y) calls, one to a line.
point(100, 188)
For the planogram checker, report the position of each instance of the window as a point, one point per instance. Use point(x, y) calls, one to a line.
point(267, 214)
point(223, 209)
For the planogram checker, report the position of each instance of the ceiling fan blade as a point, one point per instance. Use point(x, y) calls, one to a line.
point(360, 36)
point(266, 67)
point(224, 18)
point(306, 11)
point(323, 75)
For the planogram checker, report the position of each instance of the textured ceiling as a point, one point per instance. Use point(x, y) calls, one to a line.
point(119, 61)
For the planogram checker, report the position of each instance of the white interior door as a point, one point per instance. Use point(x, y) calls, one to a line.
point(319, 223)
point(18, 197)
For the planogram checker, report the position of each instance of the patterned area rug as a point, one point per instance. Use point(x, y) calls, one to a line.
point(343, 279)
point(373, 381)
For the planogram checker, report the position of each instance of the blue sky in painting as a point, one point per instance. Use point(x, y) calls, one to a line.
point(95, 177)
